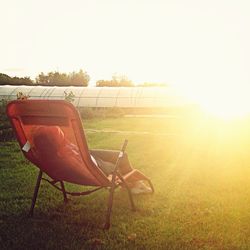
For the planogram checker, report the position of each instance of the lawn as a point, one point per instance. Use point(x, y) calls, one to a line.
point(200, 169)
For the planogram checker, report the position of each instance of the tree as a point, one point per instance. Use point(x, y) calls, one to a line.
point(5, 79)
point(56, 78)
point(42, 79)
point(80, 78)
point(22, 81)
point(117, 81)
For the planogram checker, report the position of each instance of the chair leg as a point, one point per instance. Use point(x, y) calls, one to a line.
point(129, 192)
point(64, 192)
point(35, 193)
point(109, 211)
point(130, 198)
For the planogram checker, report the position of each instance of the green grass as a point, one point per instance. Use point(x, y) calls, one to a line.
point(202, 200)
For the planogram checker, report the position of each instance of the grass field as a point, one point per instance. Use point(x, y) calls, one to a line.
point(201, 172)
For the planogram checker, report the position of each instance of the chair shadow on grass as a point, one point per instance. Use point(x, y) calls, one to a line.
point(90, 211)
point(56, 224)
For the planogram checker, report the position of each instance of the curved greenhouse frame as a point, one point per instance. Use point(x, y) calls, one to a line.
point(124, 97)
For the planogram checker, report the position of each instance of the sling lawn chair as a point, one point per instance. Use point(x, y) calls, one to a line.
point(28, 115)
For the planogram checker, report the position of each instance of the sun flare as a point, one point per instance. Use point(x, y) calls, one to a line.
point(224, 102)
point(226, 110)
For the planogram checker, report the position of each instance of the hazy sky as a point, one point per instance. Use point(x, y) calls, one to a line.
point(193, 43)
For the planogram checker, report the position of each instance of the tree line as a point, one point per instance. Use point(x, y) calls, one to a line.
point(80, 79)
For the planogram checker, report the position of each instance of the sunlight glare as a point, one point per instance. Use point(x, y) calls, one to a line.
point(224, 102)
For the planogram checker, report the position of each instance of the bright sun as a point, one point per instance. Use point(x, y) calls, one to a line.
point(224, 102)
point(226, 109)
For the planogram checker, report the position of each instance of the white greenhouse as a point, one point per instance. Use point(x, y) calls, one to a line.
point(124, 97)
